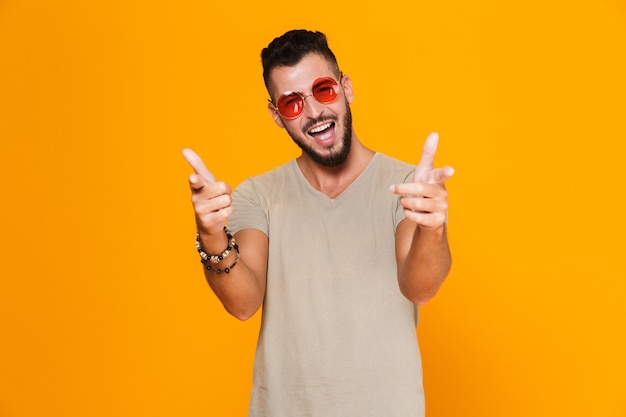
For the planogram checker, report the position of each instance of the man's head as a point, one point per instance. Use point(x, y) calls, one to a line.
point(300, 67)
point(288, 49)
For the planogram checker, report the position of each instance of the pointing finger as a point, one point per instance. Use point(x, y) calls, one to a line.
point(428, 157)
point(198, 166)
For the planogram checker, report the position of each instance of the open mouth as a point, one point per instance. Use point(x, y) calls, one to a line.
point(321, 130)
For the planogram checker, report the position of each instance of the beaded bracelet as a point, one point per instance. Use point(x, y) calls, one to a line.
point(225, 270)
point(217, 258)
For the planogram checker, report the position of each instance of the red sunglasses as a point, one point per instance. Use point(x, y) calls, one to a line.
point(291, 104)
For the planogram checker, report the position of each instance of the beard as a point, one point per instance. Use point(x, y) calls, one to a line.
point(335, 157)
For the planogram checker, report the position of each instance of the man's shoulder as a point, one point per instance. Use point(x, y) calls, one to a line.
point(393, 165)
point(275, 173)
point(267, 179)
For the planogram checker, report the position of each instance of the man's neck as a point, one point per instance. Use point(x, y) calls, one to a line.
point(333, 181)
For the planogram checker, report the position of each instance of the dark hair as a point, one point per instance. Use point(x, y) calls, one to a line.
point(287, 50)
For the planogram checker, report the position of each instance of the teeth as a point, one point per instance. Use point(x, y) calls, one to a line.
point(320, 128)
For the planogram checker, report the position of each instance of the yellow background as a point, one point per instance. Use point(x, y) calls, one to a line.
point(103, 306)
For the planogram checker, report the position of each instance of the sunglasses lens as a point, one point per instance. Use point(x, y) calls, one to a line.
point(290, 105)
point(325, 90)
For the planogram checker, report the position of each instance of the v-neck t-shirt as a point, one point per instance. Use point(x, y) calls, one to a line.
point(337, 336)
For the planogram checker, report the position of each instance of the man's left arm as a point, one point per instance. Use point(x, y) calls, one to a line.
point(422, 250)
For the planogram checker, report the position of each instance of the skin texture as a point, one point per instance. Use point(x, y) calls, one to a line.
point(422, 249)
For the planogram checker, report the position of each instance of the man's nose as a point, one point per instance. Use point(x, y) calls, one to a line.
point(312, 107)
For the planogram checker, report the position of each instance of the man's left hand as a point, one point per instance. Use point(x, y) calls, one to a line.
point(425, 199)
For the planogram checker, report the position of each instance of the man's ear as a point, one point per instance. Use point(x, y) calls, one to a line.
point(346, 81)
point(275, 115)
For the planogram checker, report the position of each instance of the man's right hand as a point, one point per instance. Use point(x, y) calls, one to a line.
point(211, 199)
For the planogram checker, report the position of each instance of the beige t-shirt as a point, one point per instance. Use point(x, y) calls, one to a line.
point(337, 337)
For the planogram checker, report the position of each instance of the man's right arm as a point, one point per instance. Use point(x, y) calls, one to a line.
point(242, 289)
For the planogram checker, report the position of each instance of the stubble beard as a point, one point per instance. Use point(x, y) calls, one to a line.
point(335, 157)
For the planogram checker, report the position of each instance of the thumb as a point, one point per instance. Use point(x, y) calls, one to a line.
point(198, 166)
point(439, 175)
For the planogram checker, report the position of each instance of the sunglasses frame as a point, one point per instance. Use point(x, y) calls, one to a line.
point(304, 96)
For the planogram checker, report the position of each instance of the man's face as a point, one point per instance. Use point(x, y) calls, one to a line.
point(322, 131)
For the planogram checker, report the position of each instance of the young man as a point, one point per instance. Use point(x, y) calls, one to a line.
point(340, 246)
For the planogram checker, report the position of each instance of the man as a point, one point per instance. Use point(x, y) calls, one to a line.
point(340, 246)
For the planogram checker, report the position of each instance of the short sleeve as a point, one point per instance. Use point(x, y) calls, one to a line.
point(250, 209)
point(399, 210)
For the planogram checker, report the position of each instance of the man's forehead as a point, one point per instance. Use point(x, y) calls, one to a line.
point(302, 74)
